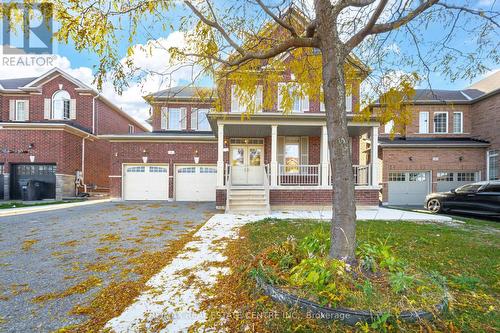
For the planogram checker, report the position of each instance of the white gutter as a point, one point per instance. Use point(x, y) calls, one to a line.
point(94, 112)
point(83, 163)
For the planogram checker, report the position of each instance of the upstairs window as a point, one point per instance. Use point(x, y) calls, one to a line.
point(61, 105)
point(493, 165)
point(199, 120)
point(440, 122)
point(18, 110)
point(423, 123)
point(348, 100)
point(458, 122)
point(131, 129)
point(173, 118)
point(299, 104)
point(389, 126)
point(240, 100)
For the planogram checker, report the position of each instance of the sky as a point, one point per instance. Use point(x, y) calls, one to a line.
point(81, 64)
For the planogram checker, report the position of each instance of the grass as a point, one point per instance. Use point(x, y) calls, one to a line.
point(16, 204)
point(465, 254)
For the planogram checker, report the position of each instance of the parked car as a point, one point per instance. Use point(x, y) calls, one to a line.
point(481, 198)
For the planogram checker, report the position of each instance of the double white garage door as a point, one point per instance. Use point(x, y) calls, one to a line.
point(151, 182)
point(411, 187)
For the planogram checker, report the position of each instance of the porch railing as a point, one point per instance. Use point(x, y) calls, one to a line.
point(362, 175)
point(299, 175)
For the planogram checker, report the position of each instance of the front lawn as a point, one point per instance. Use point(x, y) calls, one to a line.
point(466, 255)
point(20, 204)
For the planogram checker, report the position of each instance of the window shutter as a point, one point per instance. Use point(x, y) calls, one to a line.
point(348, 103)
point(183, 118)
point(281, 150)
point(26, 110)
point(12, 109)
point(72, 109)
point(194, 119)
point(258, 99)
point(305, 103)
point(280, 96)
point(235, 107)
point(304, 150)
point(163, 118)
point(46, 108)
point(423, 122)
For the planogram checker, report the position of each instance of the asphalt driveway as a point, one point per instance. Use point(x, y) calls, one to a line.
point(43, 255)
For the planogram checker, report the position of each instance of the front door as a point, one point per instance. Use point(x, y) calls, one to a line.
point(247, 165)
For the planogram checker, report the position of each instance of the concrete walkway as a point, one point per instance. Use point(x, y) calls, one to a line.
point(177, 291)
point(48, 207)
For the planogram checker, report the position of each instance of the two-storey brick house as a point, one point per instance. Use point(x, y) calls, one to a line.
point(271, 159)
point(49, 127)
point(453, 139)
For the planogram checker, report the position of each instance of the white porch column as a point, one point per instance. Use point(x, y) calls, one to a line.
point(220, 155)
point(324, 157)
point(374, 156)
point(274, 155)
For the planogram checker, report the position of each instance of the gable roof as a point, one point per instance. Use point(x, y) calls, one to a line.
point(488, 84)
point(183, 92)
point(438, 95)
point(32, 83)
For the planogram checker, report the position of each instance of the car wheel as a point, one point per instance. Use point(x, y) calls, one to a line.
point(434, 206)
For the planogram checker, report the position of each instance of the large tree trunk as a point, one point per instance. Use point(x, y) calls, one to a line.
point(343, 225)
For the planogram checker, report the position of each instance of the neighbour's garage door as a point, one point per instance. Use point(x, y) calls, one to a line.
point(1, 182)
point(447, 180)
point(408, 188)
point(22, 173)
point(145, 182)
point(195, 183)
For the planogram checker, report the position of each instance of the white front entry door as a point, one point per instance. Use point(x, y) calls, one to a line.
point(247, 165)
point(145, 182)
point(195, 183)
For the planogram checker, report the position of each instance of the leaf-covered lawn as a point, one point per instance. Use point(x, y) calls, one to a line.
point(466, 254)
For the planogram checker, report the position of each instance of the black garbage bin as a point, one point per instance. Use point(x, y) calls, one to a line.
point(23, 185)
point(32, 190)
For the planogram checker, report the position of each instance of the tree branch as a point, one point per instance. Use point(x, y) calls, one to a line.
point(481, 13)
point(356, 3)
point(360, 35)
point(277, 19)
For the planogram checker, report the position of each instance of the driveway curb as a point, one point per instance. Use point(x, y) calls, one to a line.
point(46, 208)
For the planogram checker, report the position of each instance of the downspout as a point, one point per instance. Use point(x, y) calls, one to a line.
point(94, 113)
point(82, 176)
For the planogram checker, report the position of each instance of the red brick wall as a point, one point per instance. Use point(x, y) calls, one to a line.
point(110, 121)
point(302, 197)
point(486, 121)
point(397, 159)
point(97, 162)
point(132, 152)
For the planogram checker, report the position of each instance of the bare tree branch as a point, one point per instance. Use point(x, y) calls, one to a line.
point(356, 3)
point(277, 19)
point(360, 35)
point(481, 13)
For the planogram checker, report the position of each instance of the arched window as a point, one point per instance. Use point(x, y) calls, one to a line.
point(60, 105)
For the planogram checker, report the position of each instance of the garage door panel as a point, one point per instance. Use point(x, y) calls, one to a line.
point(448, 180)
point(408, 188)
point(45, 173)
point(145, 182)
point(195, 183)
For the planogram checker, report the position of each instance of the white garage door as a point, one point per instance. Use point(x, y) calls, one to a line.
point(195, 183)
point(145, 182)
point(408, 188)
point(447, 180)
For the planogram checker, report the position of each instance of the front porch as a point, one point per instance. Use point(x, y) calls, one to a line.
point(264, 163)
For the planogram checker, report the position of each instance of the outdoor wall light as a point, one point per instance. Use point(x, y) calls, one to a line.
point(196, 157)
point(32, 158)
point(410, 158)
point(145, 156)
point(461, 158)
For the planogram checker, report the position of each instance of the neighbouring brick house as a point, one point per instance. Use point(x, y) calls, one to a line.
point(453, 139)
point(49, 127)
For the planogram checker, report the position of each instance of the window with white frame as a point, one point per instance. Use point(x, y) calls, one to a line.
point(458, 126)
point(348, 99)
point(240, 101)
point(322, 101)
point(174, 119)
point(389, 126)
point(293, 152)
point(20, 110)
point(466, 176)
point(131, 129)
point(445, 176)
point(61, 105)
point(440, 122)
point(199, 120)
point(493, 165)
point(299, 103)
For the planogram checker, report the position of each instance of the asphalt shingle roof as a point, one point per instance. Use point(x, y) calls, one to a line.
point(431, 141)
point(16, 83)
point(183, 92)
point(446, 95)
